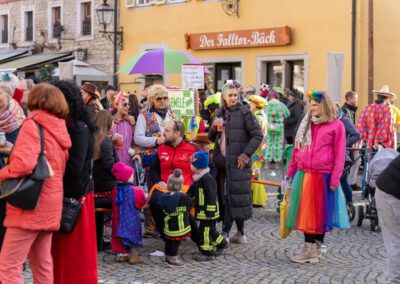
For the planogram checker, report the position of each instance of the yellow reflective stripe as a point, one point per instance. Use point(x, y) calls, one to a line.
point(218, 240)
point(206, 240)
point(166, 219)
point(177, 233)
point(201, 196)
point(211, 207)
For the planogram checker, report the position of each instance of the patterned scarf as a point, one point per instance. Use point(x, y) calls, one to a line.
point(11, 118)
point(303, 135)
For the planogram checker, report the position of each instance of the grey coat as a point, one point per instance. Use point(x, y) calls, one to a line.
point(243, 135)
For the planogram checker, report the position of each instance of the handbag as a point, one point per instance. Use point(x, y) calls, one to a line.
point(24, 192)
point(70, 212)
point(284, 209)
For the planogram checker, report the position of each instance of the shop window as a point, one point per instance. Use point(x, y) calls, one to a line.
point(285, 73)
point(227, 71)
point(29, 26)
point(4, 28)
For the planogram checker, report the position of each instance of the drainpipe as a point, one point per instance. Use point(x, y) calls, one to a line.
point(353, 44)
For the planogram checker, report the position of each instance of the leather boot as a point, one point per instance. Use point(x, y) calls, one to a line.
point(309, 254)
point(174, 260)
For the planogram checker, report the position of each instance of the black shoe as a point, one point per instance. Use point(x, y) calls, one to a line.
point(355, 187)
point(202, 257)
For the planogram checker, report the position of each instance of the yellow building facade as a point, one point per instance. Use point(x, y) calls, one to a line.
point(318, 55)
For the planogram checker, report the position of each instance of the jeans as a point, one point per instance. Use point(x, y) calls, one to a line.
point(344, 182)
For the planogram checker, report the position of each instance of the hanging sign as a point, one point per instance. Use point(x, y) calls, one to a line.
point(193, 76)
point(182, 102)
point(238, 39)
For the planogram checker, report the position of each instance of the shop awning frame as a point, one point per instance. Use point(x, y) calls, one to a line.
point(27, 62)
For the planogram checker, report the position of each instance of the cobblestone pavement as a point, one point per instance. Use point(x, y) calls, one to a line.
point(355, 255)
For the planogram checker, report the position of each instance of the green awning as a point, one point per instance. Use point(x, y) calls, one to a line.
point(31, 61)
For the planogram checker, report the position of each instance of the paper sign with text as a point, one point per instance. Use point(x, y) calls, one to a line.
point(193, 76)
point(182, 102)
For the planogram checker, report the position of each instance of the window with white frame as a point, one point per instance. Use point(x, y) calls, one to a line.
point(28, 25)
point(56, 22)
point(86, 19)
point(144, 2)
point(4, 28)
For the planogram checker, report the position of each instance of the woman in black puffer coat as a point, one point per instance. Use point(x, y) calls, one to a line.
point(235, 142)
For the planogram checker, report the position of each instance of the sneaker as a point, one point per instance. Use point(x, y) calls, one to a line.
point(122, 258)
point(202, 257)
point(136, 259)
point(174, 261)
point(239, 238)
point(309, 254)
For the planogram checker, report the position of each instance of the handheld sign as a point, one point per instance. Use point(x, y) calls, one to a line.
point(193, 76)
point(183, 102)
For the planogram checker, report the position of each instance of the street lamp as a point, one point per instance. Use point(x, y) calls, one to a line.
point(105, 13)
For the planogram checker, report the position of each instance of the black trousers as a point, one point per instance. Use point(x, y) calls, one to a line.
point(209, 237)
point(309, 238)
point(171, 247)
point(101, 202)
point(226, 227)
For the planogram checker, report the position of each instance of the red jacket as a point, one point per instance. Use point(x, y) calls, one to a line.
point(23, 160)
point(176, 158)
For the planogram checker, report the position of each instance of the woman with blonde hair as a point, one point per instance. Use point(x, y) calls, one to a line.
point(317, 203)
point(149, 131)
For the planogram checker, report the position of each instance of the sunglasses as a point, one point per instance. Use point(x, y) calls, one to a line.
point(161, 98)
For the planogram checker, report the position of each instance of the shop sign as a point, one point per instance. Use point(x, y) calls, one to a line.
point(238, 39)
point(182, 102)
point(193, 76)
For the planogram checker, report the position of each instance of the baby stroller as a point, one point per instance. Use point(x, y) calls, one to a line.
point(379, 162)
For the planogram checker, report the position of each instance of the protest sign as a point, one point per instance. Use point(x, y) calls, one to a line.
point(183, 102)
point(193, 76)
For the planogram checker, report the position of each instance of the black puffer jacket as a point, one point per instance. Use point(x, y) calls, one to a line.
point(104, 180)
point(296, 111)
point(243, 136)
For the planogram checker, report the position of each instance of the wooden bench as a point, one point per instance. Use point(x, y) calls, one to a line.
point(266, 182)
point(103, 210)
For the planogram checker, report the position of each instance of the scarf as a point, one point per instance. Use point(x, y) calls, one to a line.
point(197, 177)
point(303, 135)
point(11, 118)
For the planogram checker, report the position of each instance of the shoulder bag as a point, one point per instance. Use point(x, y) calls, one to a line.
point(24, 192)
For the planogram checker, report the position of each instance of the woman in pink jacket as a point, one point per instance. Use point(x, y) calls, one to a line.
point(29, 232)
point(317, 202)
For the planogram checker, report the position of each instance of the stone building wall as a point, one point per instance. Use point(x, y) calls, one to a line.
point(100, 49)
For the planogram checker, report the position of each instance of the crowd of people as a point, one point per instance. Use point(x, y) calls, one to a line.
point(182, 175)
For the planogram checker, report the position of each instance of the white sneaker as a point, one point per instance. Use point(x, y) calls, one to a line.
point(239, 238)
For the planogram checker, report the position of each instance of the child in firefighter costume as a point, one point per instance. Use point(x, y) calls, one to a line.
point(204, 192)
point(176, 207)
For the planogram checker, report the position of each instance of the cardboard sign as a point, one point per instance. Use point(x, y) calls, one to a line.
point(193, 76)
point(183, 102)
point(238, 39)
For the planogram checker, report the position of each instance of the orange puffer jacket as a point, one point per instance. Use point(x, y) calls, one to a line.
point(23, 160)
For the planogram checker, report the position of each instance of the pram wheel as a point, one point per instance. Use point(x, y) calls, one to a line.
point(374, 224)
point(351, 210)
point(360, 211)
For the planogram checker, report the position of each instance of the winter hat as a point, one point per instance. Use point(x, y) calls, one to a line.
point(199, 160)
point(122, 172)
point(175, 181)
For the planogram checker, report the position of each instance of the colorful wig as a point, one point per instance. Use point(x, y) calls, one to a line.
point(316, 95)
